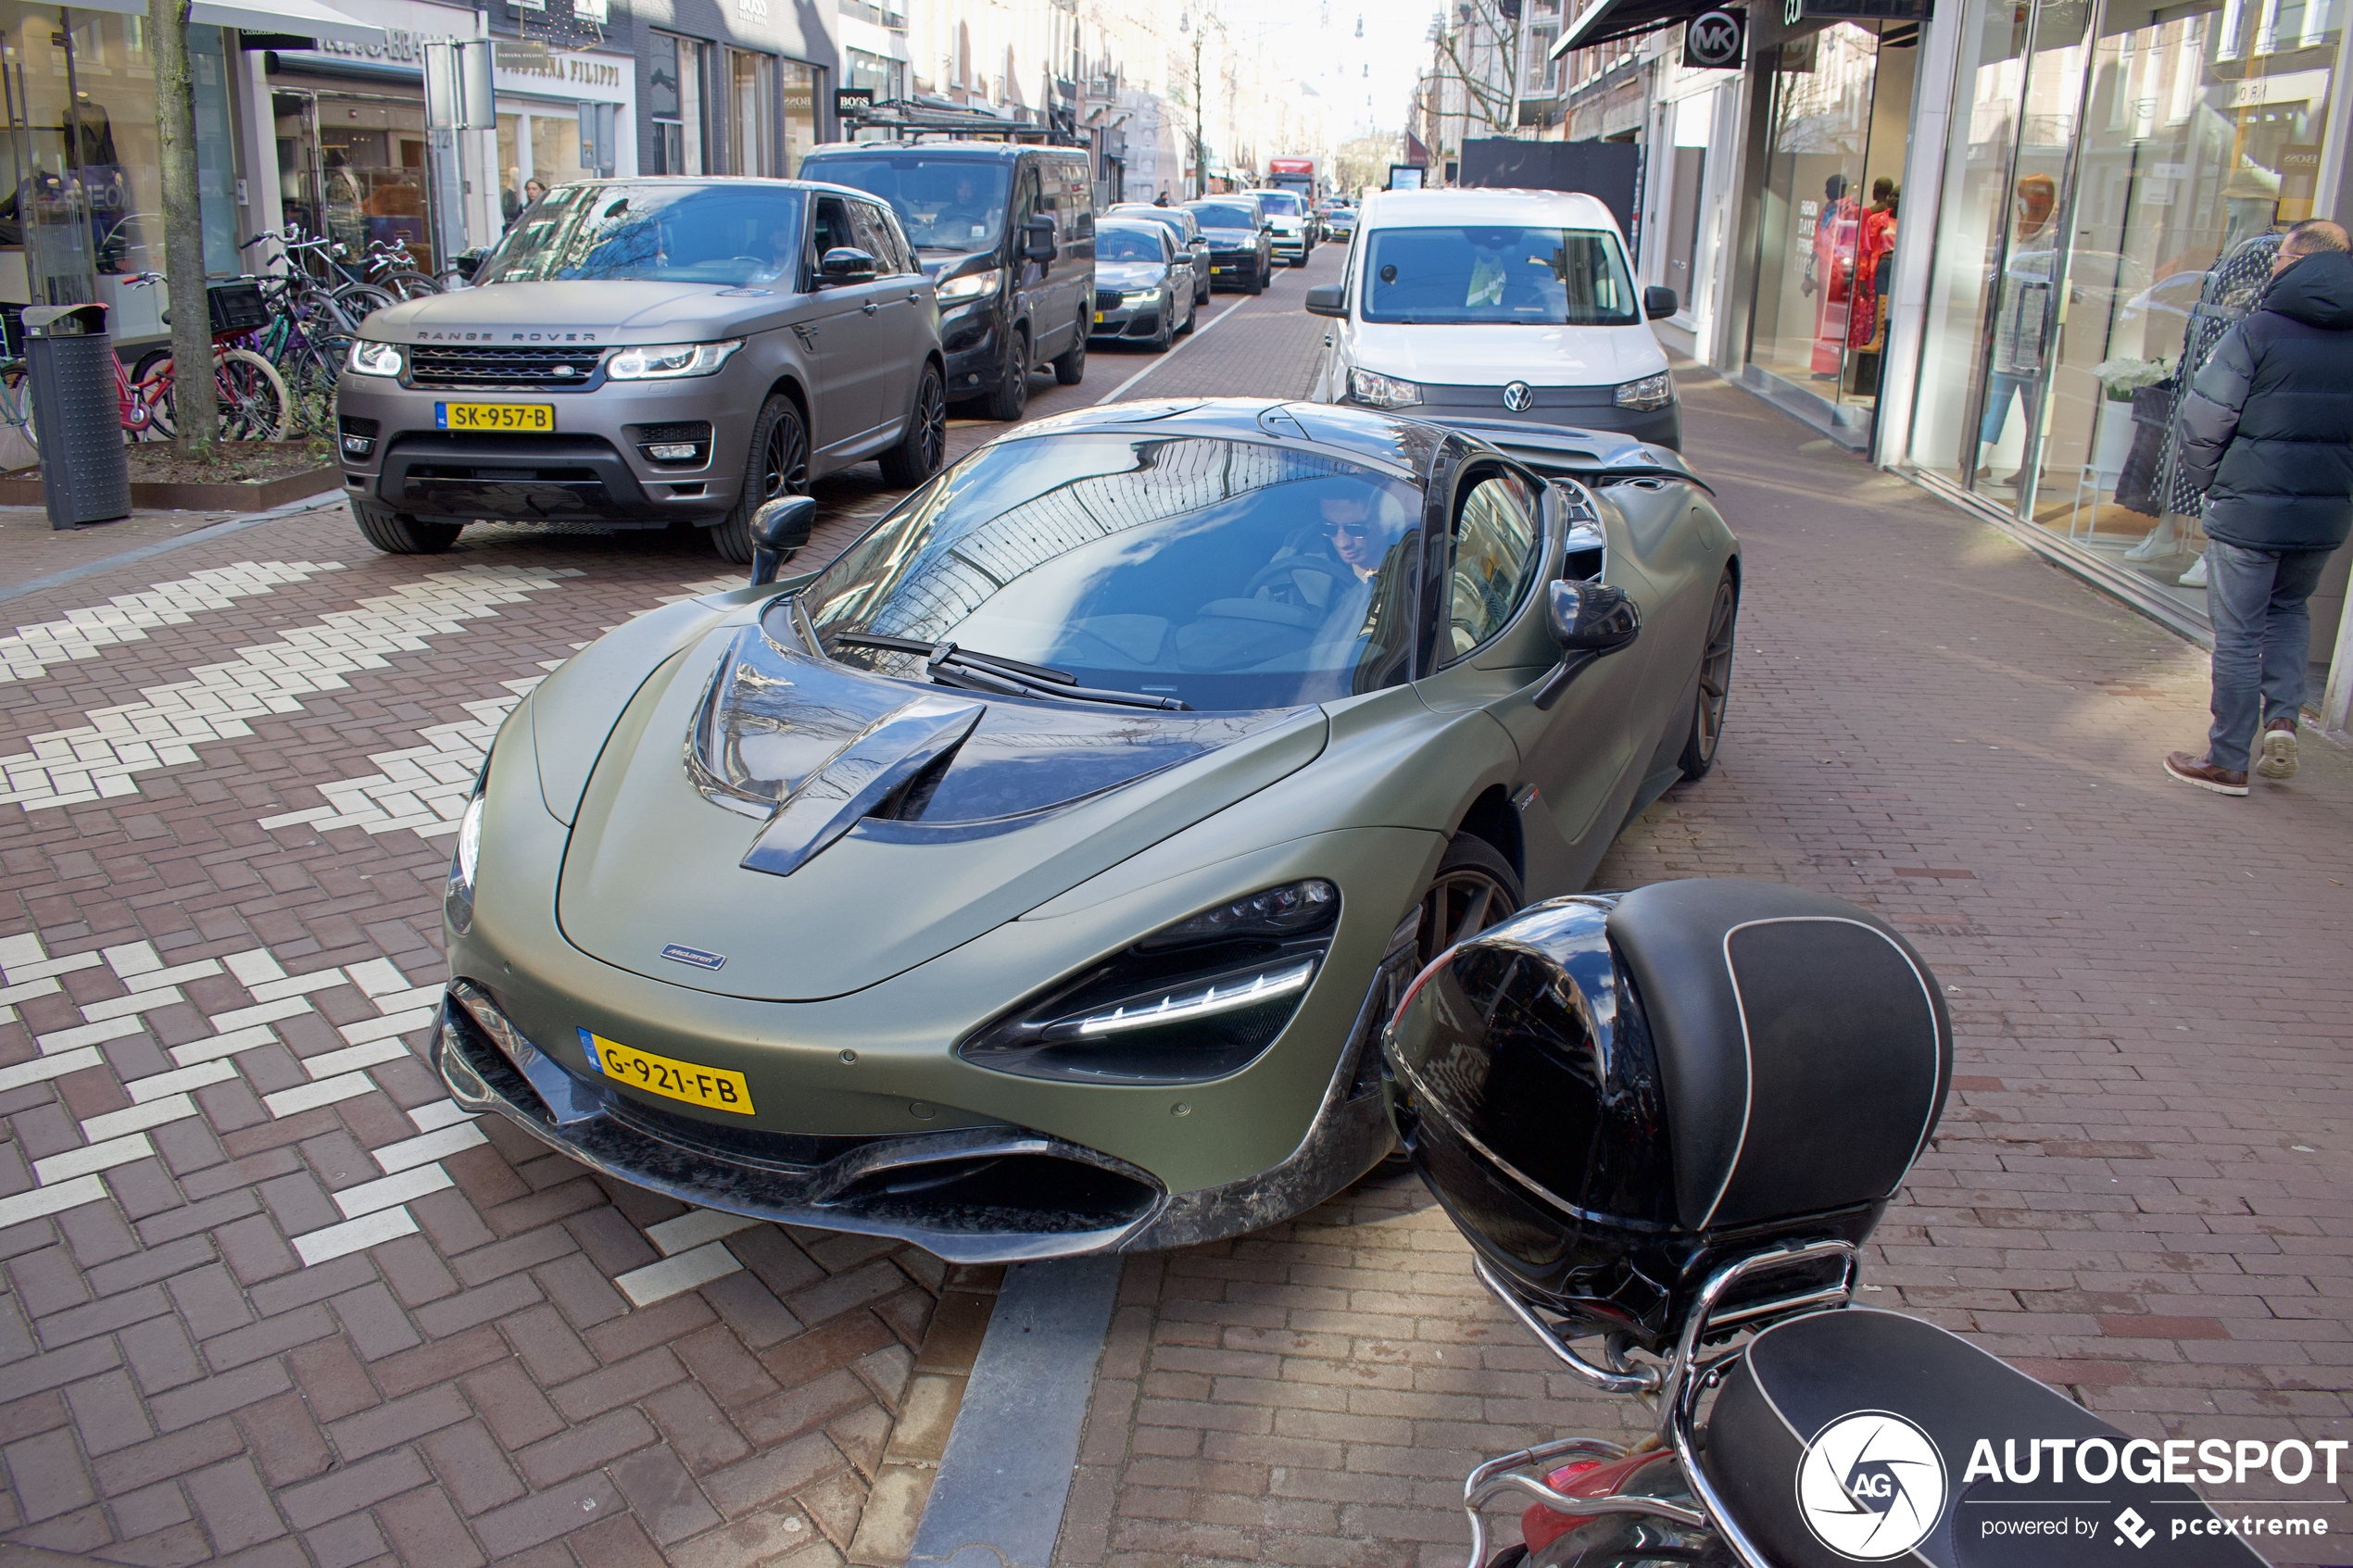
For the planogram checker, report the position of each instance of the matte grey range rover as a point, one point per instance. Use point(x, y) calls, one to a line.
point(637, 353)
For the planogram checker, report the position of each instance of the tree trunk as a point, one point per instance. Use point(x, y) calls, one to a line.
point(196, 405)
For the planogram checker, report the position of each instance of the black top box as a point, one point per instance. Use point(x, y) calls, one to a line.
point(1615, 1096)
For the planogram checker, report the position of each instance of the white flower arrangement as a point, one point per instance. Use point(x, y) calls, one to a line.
point(2122, 378)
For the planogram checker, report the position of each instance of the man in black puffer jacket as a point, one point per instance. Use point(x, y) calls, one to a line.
point(2267, 433)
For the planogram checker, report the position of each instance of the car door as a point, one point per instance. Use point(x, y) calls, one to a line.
point(851, 348)
point(894, 304)
point(1035, 293)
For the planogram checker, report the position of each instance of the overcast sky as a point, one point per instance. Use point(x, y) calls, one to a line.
point(1348, 71)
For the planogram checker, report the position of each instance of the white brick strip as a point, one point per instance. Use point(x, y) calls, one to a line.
point(694, 1227)
point(675, 1276)
point(138, 1118)
point(43, 1067)
point(180, 1081)
point(92, 1157)
point(352, 1236)
point(309, 1097)
point(438, 1144)
point(55, 1200)
point(29, 651)
point(386, 1191)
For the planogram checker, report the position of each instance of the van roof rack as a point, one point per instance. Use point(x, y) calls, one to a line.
point(912, 119)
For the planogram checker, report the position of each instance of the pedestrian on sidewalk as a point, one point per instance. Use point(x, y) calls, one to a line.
point(2267, 434)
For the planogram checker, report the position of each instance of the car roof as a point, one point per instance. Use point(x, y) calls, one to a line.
point(1403, 447)
point(1567, 209)
point(977, 151)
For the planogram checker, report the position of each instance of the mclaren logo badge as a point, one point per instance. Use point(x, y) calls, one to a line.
point(1518, 398)
point(676, 953)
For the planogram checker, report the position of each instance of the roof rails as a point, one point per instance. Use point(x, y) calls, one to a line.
point(908, 119)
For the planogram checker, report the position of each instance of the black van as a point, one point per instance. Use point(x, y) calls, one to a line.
point(1008, 234)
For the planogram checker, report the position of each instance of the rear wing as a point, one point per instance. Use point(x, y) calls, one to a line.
point(1595, 456)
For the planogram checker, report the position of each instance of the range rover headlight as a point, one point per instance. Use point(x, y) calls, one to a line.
point(373, 358)
point(671, 361)
point(1197, 1000)
point(1651, 392)
point(1381, 390)
point(972, 285)
point(458, 899)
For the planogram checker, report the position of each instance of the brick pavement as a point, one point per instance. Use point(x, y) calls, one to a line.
point(2139, 1189)
point(267, 1296)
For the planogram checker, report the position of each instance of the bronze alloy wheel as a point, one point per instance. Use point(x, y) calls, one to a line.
point(1714, 682)
point(784, 463)
point(1475, 887)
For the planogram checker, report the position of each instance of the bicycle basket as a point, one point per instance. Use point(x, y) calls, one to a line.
point(236, 307)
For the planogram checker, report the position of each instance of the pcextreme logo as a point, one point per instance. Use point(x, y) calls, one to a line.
point(1870, 1486)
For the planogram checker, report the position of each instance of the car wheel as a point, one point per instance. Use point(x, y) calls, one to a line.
point(1258, 278)
point(1474, 887)
point(917, 456)
point(1714, 682)
point(1193, 313)
point(776, 463)
point(1011, 396)
point(397, 533)
point(1168, 334)
point(1070, 365)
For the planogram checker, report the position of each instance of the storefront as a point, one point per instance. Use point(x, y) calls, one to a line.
point(1692, 175)
point(561, 115)
point(737, 88)
point(2111, 192)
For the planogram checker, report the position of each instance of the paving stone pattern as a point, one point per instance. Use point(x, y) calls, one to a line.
point(271, 1296)
point(2139, 1191)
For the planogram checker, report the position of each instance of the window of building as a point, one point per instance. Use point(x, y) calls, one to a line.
point(800, 116)
point(751, 113)
point(673, 104)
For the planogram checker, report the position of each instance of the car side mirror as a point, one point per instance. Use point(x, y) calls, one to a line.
point(844, 265)
point(1038, 242)
point(1658, 302)
point(1589, 621)
point(466, 263)
point(1328, 299)
point(779, 528)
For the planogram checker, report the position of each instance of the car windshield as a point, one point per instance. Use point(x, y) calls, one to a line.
point(1219, 215)
point(1166, 217)
point(1281, 202)
point(729, 235)
point(1226, 575)
point(945, 203)
point(1128, 244)
point(1536, 277)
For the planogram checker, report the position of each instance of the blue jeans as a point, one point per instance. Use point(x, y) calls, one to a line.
point(1999, 392)
point(2262, 636)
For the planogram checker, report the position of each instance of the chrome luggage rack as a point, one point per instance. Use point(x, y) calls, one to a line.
point(1671, 1387)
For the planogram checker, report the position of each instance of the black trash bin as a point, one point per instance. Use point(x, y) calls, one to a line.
point(86, 476)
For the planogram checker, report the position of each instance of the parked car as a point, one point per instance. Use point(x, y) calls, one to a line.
point(1293, 224)
point(1184, 226)
point(1007, 233)
point(1339, 220)
point(1500, 305)
point(1143, 285)
point(1035, 879)
point(1241, 243)
point(637, 353)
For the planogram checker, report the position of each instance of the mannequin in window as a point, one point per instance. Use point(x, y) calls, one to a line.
point(2022, 316)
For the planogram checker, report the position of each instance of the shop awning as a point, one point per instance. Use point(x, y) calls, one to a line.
point(298, 18)
point(1600, 21)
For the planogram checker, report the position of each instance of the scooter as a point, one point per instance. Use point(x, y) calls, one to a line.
point(1667, 1122)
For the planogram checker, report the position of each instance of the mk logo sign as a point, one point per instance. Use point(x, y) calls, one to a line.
point(1715, 40)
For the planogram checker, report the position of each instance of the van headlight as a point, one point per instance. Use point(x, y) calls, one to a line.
point(669, 361)
point(1651, 392)
point(1381, 390)
point(373, 358)
point(1195, 1000)
point(972, 285)
point(458, 899)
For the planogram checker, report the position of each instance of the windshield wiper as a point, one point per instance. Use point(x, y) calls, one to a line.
point(953, 666)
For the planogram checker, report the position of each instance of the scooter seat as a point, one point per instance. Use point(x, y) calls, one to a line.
point(1803, 1049)
point(1809, 1464)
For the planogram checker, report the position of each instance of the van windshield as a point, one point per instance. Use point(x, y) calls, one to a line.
point(1218, 215)
point(945, 203)
point(1536, 277)
point(725, 235)
point(1280, 202)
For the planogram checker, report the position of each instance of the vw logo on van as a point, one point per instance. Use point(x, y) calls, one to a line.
point(1871, 1485)
point(1518, 398)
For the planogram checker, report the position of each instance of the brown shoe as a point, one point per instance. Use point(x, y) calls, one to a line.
point(2275, 749)
point(2199, 771)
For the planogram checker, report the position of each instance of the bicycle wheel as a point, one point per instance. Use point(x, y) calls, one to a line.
point(360, 300)
point(310, 381)
point(254, 403)
point(408, 285)
point(16, 400)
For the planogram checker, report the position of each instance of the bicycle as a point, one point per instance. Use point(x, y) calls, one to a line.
point(311, 326)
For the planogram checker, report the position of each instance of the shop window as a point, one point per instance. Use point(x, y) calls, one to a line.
point(800, 116)
point(750, 113)
point(673, 105)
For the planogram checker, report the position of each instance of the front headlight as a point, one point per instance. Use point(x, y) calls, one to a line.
point(669, 361)
point(458, 899)
point(972, 285)
point(1195, 1000)
point(1381, 390)
point(1651, 392)
point(1140, 297)
point(373, 358)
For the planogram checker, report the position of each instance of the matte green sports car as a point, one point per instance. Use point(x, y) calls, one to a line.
point(1035, 879)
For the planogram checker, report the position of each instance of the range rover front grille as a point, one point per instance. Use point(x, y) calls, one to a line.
point(551, 366)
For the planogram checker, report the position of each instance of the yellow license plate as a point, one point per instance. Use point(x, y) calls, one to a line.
point(494, 416)
point(714, 1088)
point(1098, 317)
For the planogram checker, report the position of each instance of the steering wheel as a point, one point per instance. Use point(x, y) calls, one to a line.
point(1277, 576)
